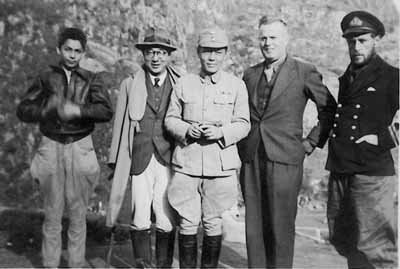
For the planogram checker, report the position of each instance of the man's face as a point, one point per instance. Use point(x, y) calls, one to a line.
point(71, 52)
point(211, 59)
point(361, 48)
point(273, 40)
point(156, 60)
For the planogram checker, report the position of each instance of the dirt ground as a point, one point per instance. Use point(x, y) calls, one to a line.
point(20, 237)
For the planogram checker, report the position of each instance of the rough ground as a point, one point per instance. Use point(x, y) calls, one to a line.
point(20, 243)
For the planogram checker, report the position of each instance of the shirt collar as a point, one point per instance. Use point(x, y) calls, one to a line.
point(214, 78)
point(275, 65)
point(162, 78)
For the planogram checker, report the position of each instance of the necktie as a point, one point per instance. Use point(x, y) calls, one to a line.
point(156, 82)
point(269, 72)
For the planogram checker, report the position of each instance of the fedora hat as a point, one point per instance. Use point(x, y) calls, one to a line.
point(156, 39)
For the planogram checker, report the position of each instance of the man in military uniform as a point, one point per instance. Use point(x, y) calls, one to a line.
point(141, 151)
point(208, 115)
point(361, 190)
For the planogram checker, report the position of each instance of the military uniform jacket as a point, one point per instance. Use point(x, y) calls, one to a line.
point(365, 106)
point(222, 102)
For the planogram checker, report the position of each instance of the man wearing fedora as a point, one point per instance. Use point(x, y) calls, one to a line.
point(208, 114)
point(141, 152)
point(361, 186)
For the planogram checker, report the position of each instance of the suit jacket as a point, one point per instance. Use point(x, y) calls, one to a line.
point(280, 126)
point(366, 106)
point(222, 103)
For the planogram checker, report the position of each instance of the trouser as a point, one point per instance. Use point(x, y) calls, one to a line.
point(361, 219)
point(149, 190)
point(67, 173)
point(202, 199)
point(270, 192)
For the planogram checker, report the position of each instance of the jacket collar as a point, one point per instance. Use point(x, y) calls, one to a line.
point(85, 74)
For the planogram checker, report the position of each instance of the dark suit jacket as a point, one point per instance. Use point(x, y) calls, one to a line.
point(153, 137)
point(366, 106)
point(280, 125)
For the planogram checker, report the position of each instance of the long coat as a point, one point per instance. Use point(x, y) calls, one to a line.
point(128, 113)
point(366, 106)
point(280, 125)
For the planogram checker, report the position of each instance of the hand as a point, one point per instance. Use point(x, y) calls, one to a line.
point(68, 111)
point(371, 139)
point(211, 132)
point(194, 131)
point(308, 147)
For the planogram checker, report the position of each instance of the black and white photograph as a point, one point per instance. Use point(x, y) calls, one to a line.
point(199, 134)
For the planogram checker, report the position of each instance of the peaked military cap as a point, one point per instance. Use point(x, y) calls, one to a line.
point(361, 22)
point(213, 38)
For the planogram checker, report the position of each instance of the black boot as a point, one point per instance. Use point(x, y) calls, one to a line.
point(141, 244)
point(187, 251)
point(210, 251)
point(165, 248)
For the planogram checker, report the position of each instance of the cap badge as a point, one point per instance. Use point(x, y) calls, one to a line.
point(356, 22)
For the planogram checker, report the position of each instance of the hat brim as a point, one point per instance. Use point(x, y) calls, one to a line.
point(359, 31)
point(146, 45)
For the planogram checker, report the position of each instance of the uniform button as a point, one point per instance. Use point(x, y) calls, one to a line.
point(339, 105)
point(355, 117)
point(333, 135)
point(353, 127)
point(358, 105)
point(336, 115)
point(351, 138)
point(334, 125)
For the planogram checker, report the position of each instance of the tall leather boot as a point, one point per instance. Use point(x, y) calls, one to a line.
point(210, 251)
point(165, 248)
point(141, 244)
point(187, 251)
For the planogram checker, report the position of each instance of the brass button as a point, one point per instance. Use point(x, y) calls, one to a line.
point(353, 127)
point(333, 135)
point(351, 138)
point(339, 105)
point(355, 117)
point(334, 125)
point(358, 105)
point(336, 115)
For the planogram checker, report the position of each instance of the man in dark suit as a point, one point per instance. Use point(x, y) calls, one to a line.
point(361, 191)
point(141, 151)
point(274, 150)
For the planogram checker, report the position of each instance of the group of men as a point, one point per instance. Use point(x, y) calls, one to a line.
point(179, 141)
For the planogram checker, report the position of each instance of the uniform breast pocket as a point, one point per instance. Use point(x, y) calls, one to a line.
point(223, 104)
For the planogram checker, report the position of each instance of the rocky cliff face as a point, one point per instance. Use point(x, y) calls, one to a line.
point(28, 30)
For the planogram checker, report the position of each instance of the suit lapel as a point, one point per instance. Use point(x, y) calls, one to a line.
point(256, 77)
point(284, 78)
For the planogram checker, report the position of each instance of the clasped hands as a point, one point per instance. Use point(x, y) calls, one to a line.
point(66, 109)
point(207, 131)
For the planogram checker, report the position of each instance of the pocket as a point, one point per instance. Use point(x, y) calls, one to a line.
point(85, 159)
point(44, 162)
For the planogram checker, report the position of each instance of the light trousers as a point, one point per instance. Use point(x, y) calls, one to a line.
point(67, 173)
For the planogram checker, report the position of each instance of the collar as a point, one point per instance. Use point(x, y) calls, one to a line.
point(85, 74)
point(275, 65)
point(214, 78)
point(162, 78)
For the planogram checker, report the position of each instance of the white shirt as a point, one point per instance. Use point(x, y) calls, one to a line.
point(162, 78)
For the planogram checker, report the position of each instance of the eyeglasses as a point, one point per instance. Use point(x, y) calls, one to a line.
point(152, 53)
